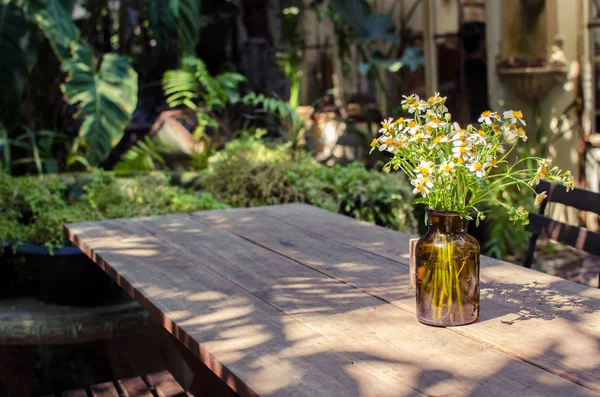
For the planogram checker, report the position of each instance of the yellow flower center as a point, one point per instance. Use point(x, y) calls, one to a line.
point(425, 179)
point(486, 113)
point(437, 139)
point(570, 184)
point(481, 133)
point(398, 143)
point(512, 127)
point(428, 128)
point(494, 162)
point(386, 125)
point(424, 171)
point(463, 150)
point(400, 120)
point(436, 121)
point(412, 124)
point(477, 166)
point(521, 132)
point(462, 138)
point(389, 142)
point(473, 149)
point(447, 168)
point(539, 199)
point(495, 127)
point(518, 115)
point(415, 104)
point(544, 170)
point(460, 160)
point(420, 187)
point(374, 142)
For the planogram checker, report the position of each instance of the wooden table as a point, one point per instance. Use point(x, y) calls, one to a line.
point(296, 301)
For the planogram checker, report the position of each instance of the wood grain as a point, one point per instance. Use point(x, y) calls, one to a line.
point(254, 347)
point(552, 323)
point(308, 303)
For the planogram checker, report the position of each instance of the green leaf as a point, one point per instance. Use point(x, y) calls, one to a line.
point(53, 18)
point(162, 20)
point(107, 97)
point(18, 49)
point(189, 23)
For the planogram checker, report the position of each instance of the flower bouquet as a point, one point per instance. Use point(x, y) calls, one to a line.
point(455, 170)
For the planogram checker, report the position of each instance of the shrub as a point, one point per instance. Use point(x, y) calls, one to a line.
point(248, 173)
point(34, 210)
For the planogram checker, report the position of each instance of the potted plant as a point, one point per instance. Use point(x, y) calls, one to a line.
point(34, 210)
point(455, 171)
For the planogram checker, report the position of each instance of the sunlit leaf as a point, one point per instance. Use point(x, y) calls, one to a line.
point(106, 96)
point(53, 18)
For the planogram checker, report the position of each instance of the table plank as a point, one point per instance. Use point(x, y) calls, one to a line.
point(431, 360)
point(254, 347)
point(550, 322)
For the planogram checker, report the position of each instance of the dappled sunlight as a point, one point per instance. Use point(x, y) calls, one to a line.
point(281, 310)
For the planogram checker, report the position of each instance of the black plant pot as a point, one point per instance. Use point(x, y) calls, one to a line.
point(68, 276)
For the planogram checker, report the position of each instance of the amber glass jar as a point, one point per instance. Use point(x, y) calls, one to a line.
point(447, 264)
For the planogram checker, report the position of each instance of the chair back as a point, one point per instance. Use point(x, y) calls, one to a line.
point(578, 237)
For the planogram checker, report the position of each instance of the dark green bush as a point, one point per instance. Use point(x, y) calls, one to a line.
point(34, 210)
point(248, 173)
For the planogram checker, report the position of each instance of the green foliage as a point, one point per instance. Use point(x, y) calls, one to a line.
point(106, 95)
point(162, 20)
point(53, 18)
point(192, 86)
point(18, 46)
point(143, 157)
point(248, 173)
point(189, 23)
point(35, 209)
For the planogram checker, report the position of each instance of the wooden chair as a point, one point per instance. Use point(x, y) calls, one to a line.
point(578, 237)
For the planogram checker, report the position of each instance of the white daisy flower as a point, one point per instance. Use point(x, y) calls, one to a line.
point(478, 168)
point(488, 117)
point(514, 116)
point(386, 126)
point(417, 106)
point(411, 127)
point(386, 143)
point(436, 123)
point(424, 168)
point(462, 150)
point(522, 134)
point(438, 139)
point(447, 168)
point(539, 199)
point(492, 161)
point(422, 185)
point(510, 131)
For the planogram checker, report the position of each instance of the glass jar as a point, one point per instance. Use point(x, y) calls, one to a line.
point(447, 271)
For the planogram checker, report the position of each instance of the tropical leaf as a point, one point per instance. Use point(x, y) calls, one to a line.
point(162, 20)
point(106, 95)
point(192, 85)
point(53, 18)
point(18, 46)
point(143, 156)
point(189, 23)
